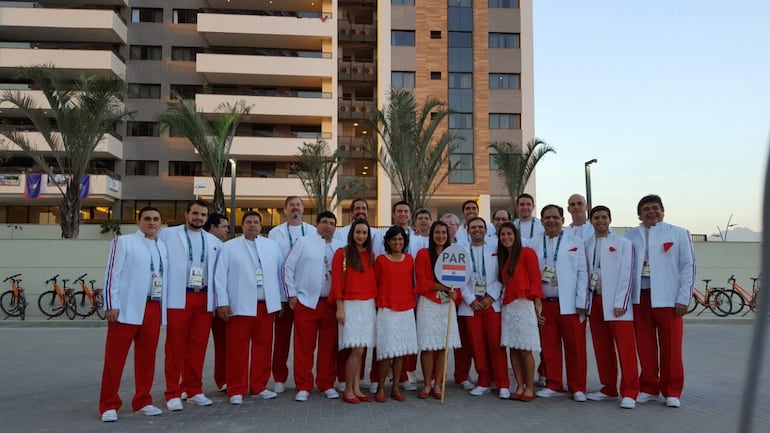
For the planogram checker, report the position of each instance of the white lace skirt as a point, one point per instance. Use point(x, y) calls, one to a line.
point(431, 326)
point(520, 326)
point(396, 333)
point(358, 330)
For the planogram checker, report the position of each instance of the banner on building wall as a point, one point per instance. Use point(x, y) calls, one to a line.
point(32, 184)
point(85, 187)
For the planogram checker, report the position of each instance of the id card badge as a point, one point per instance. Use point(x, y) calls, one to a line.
point(444, 296)
point(595, 282)
point(195, 281)
point(548, 273)
point(156, 288)
point(646, 269)
point(480, 288)
point(554, 281)
point(260, 278)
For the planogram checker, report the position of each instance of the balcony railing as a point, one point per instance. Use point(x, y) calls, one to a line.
point(354, 147)
point(352, 32)
point(357, 71)
point(355, 109)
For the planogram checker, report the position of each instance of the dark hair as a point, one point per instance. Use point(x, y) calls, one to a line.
point(469, 201)
point(251, 213)
point(394, 231)
point(421, 211)
point(552, 206)
point(524, 195)
point(356, 200)
point(501, 210)
point(393, 209)
point(503, 255)
point(290, 198)
point(147, 209)
point(432, 244)
point(468, 223)
point(599, 208)
point(652, 198)
point(325, 214)
point(199, 202)
point(214, 220)
point(351, 252)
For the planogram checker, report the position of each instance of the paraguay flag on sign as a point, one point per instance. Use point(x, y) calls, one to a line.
point(452, 266)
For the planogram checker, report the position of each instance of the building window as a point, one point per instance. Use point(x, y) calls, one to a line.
point(145, 52)
point(461, 165)
point(402, 79)
point(144, 91)
point(504, 121)
point(503, 4)
point(503, 40)
point(504, 81)
point(185, 168)
point(185, 54)
point(460, 81)
point(185, 16)
point(143, 129)
point(141, 168)
point(435, 75)
point(435, 34)
point(493, 165)
point(402, 38)
point(146, 15)
point(459, 15)
point(185, 91)
point(402, 2)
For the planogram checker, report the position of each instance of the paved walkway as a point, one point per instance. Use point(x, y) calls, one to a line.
point(50, 383)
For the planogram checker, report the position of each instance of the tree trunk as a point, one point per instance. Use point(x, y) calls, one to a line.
point(219, 197)
point(70, 210)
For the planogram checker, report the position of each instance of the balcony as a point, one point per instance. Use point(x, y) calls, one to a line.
point(104, 189)
point(352, 32)
point(109, 147)
point(286, 109)
point(357, 71)
point(287, 32)
point(102, 63)
point(279, 148)
point(36, 96)
point(355, 109)
point(256, 70)
point(63, 25)
point(278, 7)
point(253, 188)
point(354, 147)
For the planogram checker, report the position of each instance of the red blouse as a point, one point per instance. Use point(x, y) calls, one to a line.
point(426, 279)
point(395, 287)
point(525, 281)
point(357, 286)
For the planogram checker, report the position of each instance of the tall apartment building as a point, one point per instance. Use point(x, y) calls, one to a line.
point(309, 68)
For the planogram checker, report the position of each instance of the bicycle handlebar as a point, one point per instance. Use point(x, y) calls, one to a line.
point(11, 277)
point(80, 278)
point(732, 278)
point(52, 279)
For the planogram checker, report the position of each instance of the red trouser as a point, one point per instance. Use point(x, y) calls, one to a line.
point(119, 339)
point(463, 355)
point(310, 326)
point(484, 329)
point(242, 331)
point(187, 335)
point(219, 332)
point(607, 337)
point(563, 328)
point(281, 344)
point(656, 326)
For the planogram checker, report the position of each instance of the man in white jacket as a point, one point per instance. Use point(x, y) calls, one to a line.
point(664, 277)
point(307, 274)
point(248, 288)
point(190, 304)
point(134, 297)
point(530, 227)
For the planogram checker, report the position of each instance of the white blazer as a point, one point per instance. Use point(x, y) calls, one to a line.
point(463, 238)
point(583, 232)
point(179, 255)
point(616, 258)
point(571, 272)
point(235, 278)
point(128, 277)
point(280, 234)
point(494, 286)
point(304, 269)
point(672, 264)
point(537, 231)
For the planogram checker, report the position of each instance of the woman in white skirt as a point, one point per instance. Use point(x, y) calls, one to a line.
point(396, 329)
point(354, 289)
point(522, 307)
point(433, 311)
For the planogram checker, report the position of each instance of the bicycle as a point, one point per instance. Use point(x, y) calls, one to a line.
point(741, 297)
point(54, 303)
point(716, 300)
point(89, 300)
point(13, 302)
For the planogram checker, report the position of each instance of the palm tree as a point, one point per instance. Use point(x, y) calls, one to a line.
point(212, 139)
point(409, 154)
point(317, 169)
point(83, 111)
point(515, 167)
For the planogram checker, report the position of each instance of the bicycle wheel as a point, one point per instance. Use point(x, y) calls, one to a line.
point(70, 308)
point(22, 306)
point(49, 304)
point(738, 303)
point(9, 304)
point(99, 301)
point(693, 304)
point(82, 305)
point(721, 304)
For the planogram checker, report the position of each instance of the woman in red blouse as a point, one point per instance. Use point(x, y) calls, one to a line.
point(354, 289)
point(522, 308)
point(396, 329)
point(432, 311)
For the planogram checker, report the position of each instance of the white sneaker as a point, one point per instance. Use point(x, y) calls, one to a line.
point(267, 394)
point(479, 390)
point(467, 385)
point(597, 396)
point(409, 386)
point(331, 394)
point(374, 387)
point(579, 396)
point(279, 387)
point(236, 399)
point(301, 396)
point(174, 405)
point(150, 410)
point(200, 400)
point(110, 415)
point(341, 387)
point(673, 402)
point(628, 403)
point(183, 396)
point(504, 393)
point(547, 392)
point(411, 377)
point(645, 397)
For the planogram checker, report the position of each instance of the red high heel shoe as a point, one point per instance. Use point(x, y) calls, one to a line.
point(364, 398)
point(351, 400)
point(526, 398)
point(380, 398)
point(423, 395)
point(398, 397)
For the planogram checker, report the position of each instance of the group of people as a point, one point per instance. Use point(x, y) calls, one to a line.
point(530, 286)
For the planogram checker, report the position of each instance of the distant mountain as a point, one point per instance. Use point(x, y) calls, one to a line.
point(738, 234)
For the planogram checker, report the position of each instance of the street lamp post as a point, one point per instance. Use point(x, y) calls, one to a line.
point(588, 181)
point(233, 166)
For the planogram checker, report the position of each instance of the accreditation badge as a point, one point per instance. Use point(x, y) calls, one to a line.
point(595, 283)
point(480, 287)
point(548, 274)
point(195, 280)
point(646, 269)
point(260, 278)
point(156, 288)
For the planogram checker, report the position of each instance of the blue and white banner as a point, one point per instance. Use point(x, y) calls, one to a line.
point(32, 184)
point(85, 187)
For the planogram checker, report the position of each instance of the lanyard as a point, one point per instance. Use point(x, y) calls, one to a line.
point(152, 262)
point(596, 247)
point(190, 249)
point(291, 242)
point(555, 253)
point(531, 228)
point(483, 262)
point(255, 259)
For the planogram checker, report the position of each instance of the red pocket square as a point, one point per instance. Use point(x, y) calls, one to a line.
point(667, 246)
point(573, 249)
point(612, 249)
